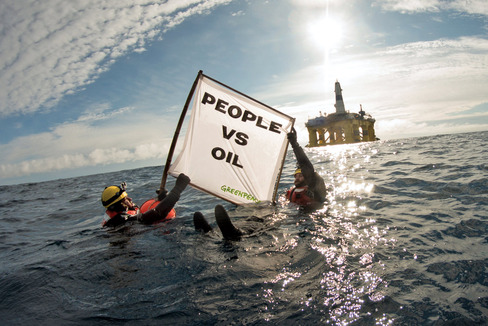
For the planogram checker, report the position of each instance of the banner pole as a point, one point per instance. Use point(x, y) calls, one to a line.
point(177, 132)
point(275, 192)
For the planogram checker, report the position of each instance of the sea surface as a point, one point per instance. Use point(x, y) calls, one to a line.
point(403, 240)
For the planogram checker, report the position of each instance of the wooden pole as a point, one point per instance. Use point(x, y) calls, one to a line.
point(177, 133)
point(275, 192)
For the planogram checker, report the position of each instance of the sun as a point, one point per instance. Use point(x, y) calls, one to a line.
point(326, 33)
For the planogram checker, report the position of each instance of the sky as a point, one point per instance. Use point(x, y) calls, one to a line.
point(95, 86)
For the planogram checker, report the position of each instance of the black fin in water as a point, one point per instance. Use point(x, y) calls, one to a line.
point(229, 231)
point(201, 223)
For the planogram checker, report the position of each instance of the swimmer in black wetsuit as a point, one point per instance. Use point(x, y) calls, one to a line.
point(229, 231)
point(309, 190)
point(121, 209)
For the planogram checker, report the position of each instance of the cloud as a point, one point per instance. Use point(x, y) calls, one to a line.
point(99, 137)
point(99, 156)
point(102, 111)
point(416, 129)
point(409, 5)
point(52, 48)
point(471, 6)
point(414, 6)
point(417, 84)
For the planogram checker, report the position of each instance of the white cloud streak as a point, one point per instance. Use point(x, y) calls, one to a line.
point(79, 144)
point(414, 6)
point(52, 48)
point(78, 160)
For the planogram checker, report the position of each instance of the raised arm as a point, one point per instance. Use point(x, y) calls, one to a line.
point(167, 204)
point(302, 159)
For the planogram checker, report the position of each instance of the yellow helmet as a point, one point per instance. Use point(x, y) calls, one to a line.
point(298, 171)
point(113, 194)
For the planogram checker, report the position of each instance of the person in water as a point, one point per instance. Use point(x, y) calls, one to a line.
point(308, 192)
point(229, 231)
point(121, 209)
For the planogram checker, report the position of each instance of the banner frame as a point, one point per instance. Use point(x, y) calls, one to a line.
point(199, 77)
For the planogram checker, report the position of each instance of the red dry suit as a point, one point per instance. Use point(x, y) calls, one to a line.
point(300, 196)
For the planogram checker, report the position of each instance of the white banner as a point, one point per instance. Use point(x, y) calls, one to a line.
point(234, 146)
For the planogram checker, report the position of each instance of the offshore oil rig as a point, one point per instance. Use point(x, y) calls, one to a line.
point(340, 127)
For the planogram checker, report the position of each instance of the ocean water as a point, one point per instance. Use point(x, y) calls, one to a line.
point(403, 240)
